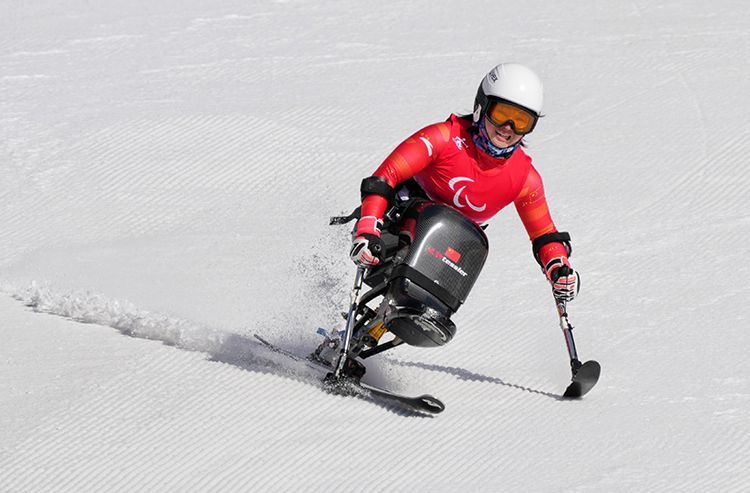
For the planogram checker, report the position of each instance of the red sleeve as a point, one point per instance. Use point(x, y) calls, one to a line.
point(534, 212)
point(409, 158)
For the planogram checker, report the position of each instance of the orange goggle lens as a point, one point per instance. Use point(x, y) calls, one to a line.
point(521, 120)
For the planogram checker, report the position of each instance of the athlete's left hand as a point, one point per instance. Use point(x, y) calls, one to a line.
point(566, 282)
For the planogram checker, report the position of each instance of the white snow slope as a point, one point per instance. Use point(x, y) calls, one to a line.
point(168, 170)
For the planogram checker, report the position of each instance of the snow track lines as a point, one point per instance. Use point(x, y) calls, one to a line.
point(186, 156)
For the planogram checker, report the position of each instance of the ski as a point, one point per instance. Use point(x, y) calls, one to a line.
point(423, 403)
point(289, 354)
point(426, 404)
point(584, 379)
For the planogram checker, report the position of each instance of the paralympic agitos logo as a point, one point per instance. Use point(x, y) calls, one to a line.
point(457, 197)
point(449, 258)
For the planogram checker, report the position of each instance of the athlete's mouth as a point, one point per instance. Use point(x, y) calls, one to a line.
point(503, 135)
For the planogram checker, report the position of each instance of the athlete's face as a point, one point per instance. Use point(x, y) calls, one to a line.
point(502, 136)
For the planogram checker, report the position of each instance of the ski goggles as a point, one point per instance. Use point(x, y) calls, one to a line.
point(521, 120)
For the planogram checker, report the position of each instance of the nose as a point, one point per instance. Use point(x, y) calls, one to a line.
point(506, 127)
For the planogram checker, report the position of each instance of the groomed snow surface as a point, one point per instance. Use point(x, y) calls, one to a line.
point(168, 170)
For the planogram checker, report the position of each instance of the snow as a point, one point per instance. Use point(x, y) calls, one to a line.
point(168, 173)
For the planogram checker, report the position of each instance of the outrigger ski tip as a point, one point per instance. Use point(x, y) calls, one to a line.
point(584, 379)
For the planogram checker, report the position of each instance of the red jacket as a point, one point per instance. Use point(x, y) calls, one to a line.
point(446, 163)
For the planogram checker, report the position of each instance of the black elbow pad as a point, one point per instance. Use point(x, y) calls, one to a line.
point(377, 185)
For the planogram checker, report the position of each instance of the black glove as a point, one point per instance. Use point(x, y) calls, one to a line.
point(367, 250)
point(566, 283)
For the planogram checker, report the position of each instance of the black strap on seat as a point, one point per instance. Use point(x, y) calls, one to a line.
point(424, 282)
point(557, 237)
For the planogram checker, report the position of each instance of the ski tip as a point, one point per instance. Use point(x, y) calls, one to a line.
point(423, 404)
point(431, 404)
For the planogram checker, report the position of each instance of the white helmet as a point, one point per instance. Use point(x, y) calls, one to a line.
point(510, 82)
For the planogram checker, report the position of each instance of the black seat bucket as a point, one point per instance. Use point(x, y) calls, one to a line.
point(435, 277)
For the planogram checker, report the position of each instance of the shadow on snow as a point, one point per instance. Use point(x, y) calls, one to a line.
point(463, 374)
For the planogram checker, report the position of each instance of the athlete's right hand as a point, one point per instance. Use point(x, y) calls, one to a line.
point(367, 250)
